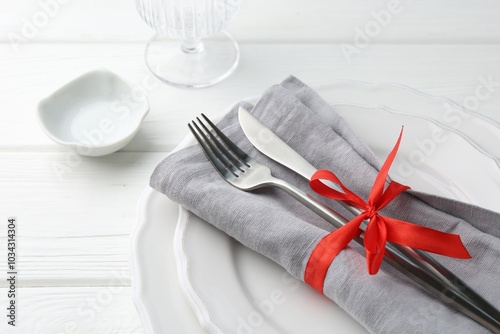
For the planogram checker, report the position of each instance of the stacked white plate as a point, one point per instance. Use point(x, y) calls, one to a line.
point(189, 277)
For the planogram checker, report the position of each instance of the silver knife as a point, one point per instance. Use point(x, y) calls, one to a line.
point(427, 269)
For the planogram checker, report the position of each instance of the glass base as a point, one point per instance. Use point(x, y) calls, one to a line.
point(197, 65)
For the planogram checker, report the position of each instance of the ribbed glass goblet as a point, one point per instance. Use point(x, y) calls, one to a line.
point(190, 49)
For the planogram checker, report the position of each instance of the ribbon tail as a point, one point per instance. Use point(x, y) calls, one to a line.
point(425, 238)
point(379, 184)
point(374, 261)
point(374, 241)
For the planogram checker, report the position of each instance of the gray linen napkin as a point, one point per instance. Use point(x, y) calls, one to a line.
point(273, 224)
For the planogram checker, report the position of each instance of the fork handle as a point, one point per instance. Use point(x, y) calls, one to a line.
point(409, 263)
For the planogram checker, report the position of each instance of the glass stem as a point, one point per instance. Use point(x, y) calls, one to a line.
point(191, 45)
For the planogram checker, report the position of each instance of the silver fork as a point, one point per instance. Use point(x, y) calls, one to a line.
point(245, 173)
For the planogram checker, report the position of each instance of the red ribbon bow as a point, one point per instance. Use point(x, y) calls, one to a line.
point(380, 228)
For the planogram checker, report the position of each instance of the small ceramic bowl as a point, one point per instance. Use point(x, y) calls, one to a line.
point(96, 114)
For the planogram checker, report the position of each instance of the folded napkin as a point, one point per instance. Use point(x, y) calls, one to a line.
point(275, 225)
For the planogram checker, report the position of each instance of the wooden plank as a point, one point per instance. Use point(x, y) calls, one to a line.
point(73, 226)
point(447, 21)
point(454, 71)
point(73, 310)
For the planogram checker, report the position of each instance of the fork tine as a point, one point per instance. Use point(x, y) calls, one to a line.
point(214, 158)
point(218, 149)
point(242, 156)
point(227, 153)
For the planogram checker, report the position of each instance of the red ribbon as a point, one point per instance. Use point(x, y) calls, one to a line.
point(380, 229)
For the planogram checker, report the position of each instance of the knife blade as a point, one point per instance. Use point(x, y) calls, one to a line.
point(273, 147)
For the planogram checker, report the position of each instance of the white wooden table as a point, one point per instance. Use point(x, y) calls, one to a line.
point(75, 214)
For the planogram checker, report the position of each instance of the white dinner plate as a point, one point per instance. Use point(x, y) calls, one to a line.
point(246, 293)
point(481, 131)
